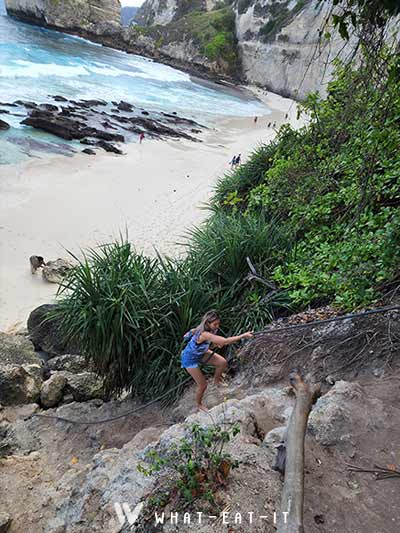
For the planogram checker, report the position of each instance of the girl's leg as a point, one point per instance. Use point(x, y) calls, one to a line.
point(220, 366)
point(201, 381)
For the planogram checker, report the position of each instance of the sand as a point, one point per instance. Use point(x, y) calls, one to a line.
point(155, 192)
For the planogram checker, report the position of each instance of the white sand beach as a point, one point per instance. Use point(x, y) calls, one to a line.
point(155, 192)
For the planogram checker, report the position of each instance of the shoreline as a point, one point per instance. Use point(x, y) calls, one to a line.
point(154, 192)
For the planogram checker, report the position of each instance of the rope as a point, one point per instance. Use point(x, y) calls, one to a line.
point(264, 332)
point(326, 321)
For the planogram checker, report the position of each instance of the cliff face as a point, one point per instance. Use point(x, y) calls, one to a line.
point(83, 17)
point(279, 45)
point(275, 40)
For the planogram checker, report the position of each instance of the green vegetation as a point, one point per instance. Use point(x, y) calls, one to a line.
point(213, 33)
point(334, 186)
point(197, 467)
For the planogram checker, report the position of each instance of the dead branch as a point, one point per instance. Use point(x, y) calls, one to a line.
point(293, 487)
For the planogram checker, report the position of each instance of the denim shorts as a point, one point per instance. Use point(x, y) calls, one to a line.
point(189, 360)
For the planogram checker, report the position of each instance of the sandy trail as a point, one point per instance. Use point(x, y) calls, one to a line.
point(155, 191)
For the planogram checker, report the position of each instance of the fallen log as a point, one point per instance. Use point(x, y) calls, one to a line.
point(292, 503)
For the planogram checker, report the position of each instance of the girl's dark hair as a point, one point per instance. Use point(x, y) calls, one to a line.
point(209, 317)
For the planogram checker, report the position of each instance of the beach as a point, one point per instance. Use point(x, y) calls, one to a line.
point(154, 192)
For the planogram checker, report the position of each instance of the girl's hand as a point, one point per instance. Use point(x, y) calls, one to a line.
point(247, 335)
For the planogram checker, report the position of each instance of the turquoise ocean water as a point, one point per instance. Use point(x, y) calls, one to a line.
point(36, 63)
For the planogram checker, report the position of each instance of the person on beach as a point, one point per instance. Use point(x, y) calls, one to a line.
point(141, 137)
point(232, 161)
point(238, 160)
point(198, 351)
point(255, 120)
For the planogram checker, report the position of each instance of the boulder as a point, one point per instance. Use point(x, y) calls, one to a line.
point(52, 390)
point(4, 125)
point(125, 106)
point(331, 419)
point(8, 443)
point(68, 362)
point(45, 333)
point(5, 522)
point(84, 386)
point(55, 271)
point(20, 370)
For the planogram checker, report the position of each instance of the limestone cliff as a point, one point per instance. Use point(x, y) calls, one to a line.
point(82, 17)
point(275, 40)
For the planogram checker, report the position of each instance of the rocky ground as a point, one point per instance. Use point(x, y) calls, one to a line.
point(95, 123)
point(61, 477)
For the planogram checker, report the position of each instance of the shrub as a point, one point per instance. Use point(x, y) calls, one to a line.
point(196, 467)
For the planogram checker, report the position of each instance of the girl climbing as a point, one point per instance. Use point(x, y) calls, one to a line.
point(198, 351)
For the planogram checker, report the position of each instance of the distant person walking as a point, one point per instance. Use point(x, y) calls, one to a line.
point(255, 120)
point(141, 137)
point(238, 160)
point(232, 162)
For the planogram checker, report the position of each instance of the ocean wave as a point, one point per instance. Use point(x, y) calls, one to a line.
point(27, 69)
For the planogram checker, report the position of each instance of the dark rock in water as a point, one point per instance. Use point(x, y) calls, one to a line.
point(4, 111)
point(4, 125)
point(45, 332)
point(61, 125)
point(92, 103)
point(8, 104)
point(108, 147)
point(106, 136)
point(114, 103)
point(115, 110)
point(59, 98)
point(158, 128)
point(125, 106)
point(55, 123)
point(90, 142)
point(123, 120)
point(28, 105)
point(145, 113)
point(88, 151)
point(48, 107)
point(108, 125)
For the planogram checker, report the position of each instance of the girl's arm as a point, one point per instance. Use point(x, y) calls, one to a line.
point(222, 341)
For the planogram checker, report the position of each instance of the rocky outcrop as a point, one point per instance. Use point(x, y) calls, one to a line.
point(4, 125)
point(20, 370)
point(44, 331)
point(84, 17)
point(71, 363)
point(52, 390)
point(55, 271)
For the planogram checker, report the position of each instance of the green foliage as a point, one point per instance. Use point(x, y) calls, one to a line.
point(362, 14)
point(197, 467)
point(334, 186)
point(128, 313)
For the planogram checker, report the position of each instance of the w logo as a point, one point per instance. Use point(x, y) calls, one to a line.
point(125, 514)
